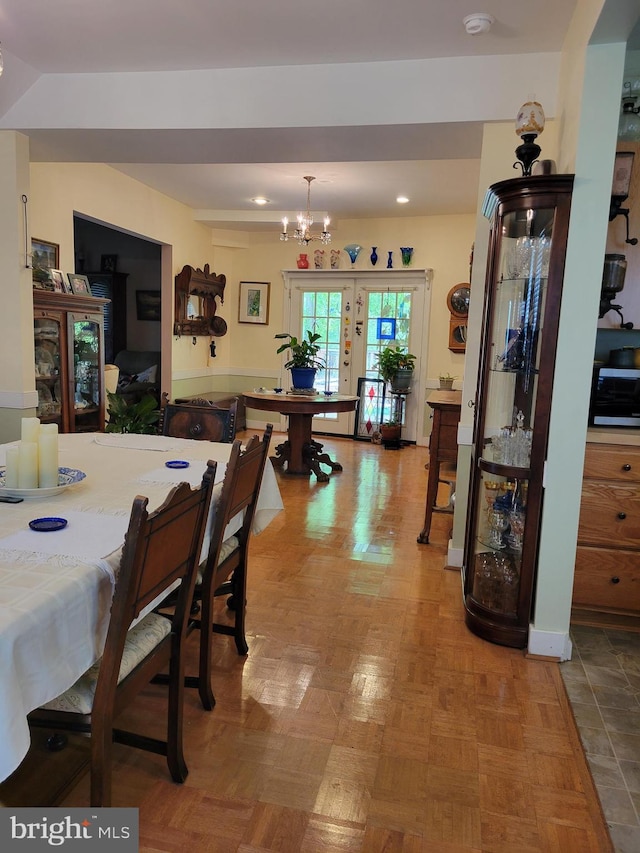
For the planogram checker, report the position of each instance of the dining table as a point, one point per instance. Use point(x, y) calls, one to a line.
point(56, 587)
point(300, 452)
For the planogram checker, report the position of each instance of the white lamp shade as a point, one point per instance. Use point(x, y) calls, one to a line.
point(530, 118)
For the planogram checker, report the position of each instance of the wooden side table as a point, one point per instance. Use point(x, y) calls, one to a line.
point(443, 447)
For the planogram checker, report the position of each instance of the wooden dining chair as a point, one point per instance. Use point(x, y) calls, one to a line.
point(224, 572)
point(161, 549)
point(200, 420)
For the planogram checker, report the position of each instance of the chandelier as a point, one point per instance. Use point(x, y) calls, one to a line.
point(305, 220)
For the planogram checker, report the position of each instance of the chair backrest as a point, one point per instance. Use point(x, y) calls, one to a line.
point(240, 487)
point(161, 548)
point(207, 423)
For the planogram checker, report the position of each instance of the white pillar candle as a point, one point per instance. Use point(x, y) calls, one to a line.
point(11, 471)
point(48, 456)
point(30, 429)
point(28, 462)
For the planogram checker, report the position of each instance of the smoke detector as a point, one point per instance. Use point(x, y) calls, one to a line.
point(478, 22)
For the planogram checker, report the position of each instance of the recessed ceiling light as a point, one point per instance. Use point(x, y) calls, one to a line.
point(260, 200)
point(402, 199)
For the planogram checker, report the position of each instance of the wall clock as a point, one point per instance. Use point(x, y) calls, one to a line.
point(458, 305)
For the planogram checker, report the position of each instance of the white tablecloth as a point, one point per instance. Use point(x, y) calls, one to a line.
point(54, 605)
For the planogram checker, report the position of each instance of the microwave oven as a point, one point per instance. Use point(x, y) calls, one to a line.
point(615, 397)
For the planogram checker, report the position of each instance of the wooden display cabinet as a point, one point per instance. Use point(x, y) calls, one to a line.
point(69, 360)
point(525, 268)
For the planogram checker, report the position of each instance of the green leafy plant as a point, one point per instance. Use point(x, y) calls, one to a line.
point(304, 353)
point(393, 359)
point(446, 377)
point(141, 417)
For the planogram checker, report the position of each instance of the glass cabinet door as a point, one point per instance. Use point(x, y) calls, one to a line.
point(85, 337)
point(48, 367)
point(522, 305)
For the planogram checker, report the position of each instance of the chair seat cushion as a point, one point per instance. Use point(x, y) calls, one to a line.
point(141, 640)
point(228, 547)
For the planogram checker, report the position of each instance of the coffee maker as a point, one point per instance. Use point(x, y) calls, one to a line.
point(613, 274)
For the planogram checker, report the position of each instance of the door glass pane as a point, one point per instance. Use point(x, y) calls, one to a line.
point(86, 365)
point(386, 305)
point(321, 313)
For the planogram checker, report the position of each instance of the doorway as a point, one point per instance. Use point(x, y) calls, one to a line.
point(357, 314)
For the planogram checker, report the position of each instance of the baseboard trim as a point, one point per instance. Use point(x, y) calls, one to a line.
point(549, 644)
point(454, 556)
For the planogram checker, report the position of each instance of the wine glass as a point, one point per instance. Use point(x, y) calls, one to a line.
point(498, 523)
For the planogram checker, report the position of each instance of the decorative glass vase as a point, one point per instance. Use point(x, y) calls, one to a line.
point(318, 258)
point(390, 261)
point(407, 253)
point(335, 259)
point(373, 257)
point(303, 262)
point(353, 250)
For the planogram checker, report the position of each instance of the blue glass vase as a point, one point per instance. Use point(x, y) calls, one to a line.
point(390, 261)
point(373, 257)
point(353, 250)
point(406, 253)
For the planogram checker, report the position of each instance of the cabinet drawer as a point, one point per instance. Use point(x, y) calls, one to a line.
point(612, 462)
point(607, 579)
point(610, 514)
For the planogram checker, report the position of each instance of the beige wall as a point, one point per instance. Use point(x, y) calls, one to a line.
point(441, 243)
point(246, 356)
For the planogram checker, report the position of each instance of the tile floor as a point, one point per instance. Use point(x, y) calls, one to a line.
point(603, 684)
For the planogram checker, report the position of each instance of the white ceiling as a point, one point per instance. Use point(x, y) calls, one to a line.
point(359, 173)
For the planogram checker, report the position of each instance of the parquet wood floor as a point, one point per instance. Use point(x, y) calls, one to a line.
point(366, 716)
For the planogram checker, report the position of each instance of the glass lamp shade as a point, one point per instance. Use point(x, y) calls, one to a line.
point(530, 119)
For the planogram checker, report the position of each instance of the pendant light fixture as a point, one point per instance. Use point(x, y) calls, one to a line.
point(304, 222)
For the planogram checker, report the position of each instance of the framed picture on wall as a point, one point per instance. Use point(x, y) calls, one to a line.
point(148, 305)
point(108, 263)
point(45, 256)
point(79, 283)
point(254, 302)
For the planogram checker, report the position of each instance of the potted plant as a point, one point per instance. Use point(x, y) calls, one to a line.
point(304, 361)
point(396, 367)
point(141, 417)
point(446, 381)
point(390, 432)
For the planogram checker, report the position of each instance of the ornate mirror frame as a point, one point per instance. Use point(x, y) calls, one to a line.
point(206, 286)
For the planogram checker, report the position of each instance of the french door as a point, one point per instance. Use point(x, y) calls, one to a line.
point(357, 314)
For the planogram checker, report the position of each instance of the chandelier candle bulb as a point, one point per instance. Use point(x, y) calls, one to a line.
point(28, 465)
point(48, 456)
point(11, 469)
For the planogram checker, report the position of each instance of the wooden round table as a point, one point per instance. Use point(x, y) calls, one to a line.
point(301, 453)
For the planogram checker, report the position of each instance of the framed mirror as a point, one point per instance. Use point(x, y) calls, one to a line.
point(196, 295)
point(458, 305)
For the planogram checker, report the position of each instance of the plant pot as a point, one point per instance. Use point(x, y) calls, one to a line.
point(446, 384)
point(302, 378)
point(390, 434)
point(402, 380)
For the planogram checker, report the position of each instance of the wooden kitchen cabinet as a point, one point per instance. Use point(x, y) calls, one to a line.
point(606, 588)
point(68, 337)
